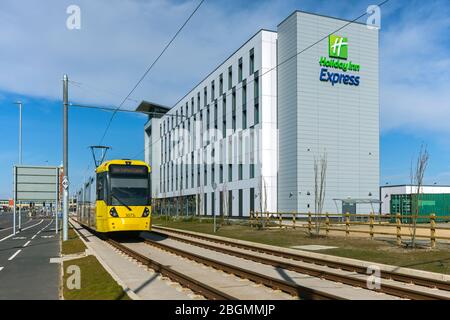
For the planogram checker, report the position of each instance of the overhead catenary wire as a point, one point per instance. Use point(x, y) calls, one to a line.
point(150, 68)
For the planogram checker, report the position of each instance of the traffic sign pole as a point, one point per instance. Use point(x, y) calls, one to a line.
point(65, 157)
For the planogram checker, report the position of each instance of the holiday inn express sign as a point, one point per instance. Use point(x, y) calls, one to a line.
point(338, 53)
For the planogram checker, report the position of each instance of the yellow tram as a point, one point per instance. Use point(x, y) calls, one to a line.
point(117, 198)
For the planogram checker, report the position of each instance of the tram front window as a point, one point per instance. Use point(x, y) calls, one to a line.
point(129, 192)
point(129, 186)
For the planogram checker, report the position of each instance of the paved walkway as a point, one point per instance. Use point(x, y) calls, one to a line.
point(25, 269)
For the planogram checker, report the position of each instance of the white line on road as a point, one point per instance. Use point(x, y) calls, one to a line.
point(32, 238)
point(14, 255)
point(34, 225)
point(1, 268)
point(26, 243)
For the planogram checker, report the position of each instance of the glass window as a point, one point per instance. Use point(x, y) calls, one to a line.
point(240, 70)
point(252, 61)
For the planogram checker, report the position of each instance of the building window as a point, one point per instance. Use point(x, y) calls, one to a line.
point(224, 116)
point(252, 61)
point(233, 109)
point(230, 77)
point(240, 203)
point(212, 90)
point(205, 96)
point(213, 175)
point(230, 172)
point(240, 70)
point(198, 101)
point(230, 203)
point(221, 84)
point(192, 106)
point(205, 176)
point(240, 173)
point(206, 204)
point(213, 207)
point(252, 171)
point(252, 199)
point(221, 173)
point(244, 105)
point(215, 115)
point(256, 94)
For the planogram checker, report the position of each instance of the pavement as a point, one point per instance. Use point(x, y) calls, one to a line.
point(25, 269)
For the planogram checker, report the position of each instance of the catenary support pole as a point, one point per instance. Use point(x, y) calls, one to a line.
point(15, 198)
point(65, 157)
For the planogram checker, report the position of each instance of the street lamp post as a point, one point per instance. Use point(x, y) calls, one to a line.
point(65, 181)
point(19, 103)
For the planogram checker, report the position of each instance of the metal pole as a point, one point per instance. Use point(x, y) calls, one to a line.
point(56, 200)
point(20, 131)
point(65, 157)
point(15, 198)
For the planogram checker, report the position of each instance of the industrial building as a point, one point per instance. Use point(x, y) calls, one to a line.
point(246, 137)
point(403, 199)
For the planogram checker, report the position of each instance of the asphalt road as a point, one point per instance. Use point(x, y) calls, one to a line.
point(25, 269)
point(6, 221)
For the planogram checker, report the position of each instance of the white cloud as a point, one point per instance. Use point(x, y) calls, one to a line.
point(414, 69)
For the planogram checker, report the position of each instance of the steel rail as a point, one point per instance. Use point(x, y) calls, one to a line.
point(196, 286)
point(277, 284)
point(417, 280)
point(403, 292)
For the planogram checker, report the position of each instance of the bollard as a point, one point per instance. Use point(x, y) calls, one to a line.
point(399, 228)
point(433, 230)
point(309, 223)
point(327, 223)
point(371, 221)
point(293, 220)
point(347, 224)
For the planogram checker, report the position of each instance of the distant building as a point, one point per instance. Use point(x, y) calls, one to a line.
point(387, 192)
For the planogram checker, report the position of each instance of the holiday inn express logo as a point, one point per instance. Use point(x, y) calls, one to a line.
point(338, 53)
point(337, 47)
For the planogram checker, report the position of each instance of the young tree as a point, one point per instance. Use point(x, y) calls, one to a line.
point(320, 173)
point(417, 178)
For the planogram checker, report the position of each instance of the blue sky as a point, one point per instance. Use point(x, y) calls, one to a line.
point(119, 39)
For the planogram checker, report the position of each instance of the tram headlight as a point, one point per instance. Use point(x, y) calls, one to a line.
point(146, 213)
point(113, 212)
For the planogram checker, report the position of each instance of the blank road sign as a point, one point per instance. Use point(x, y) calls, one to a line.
point(35, 183)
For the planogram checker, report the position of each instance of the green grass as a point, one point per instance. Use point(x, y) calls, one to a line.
point(437, 260)
point(96, 282)
point(73, 245)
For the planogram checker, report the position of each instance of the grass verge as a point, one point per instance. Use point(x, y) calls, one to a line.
point(73, 245)
point(95, 282)
point(437, 260)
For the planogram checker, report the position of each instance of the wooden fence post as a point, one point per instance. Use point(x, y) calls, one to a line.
point(399, 228)
point(327, 223)
point(371, 220)
point(293, 219)
point(347, 224)
point(309, 223)
point(433, 230)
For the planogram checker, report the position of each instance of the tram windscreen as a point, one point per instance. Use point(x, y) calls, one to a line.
point(129, 185)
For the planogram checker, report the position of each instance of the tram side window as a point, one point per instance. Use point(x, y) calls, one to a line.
point(101, 186)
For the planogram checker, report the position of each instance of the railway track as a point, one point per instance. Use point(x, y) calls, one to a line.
point(185, 281)
point(397, 284)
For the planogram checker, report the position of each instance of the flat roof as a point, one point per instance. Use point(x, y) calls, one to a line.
point(415, 185)
point(150, 107)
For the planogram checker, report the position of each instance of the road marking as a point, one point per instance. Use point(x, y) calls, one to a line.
point(46, 237)
point(19, 238)
point(11, 235)
point(32, 238)
point(26, 243)
point(14, 255)
point(1, 268)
